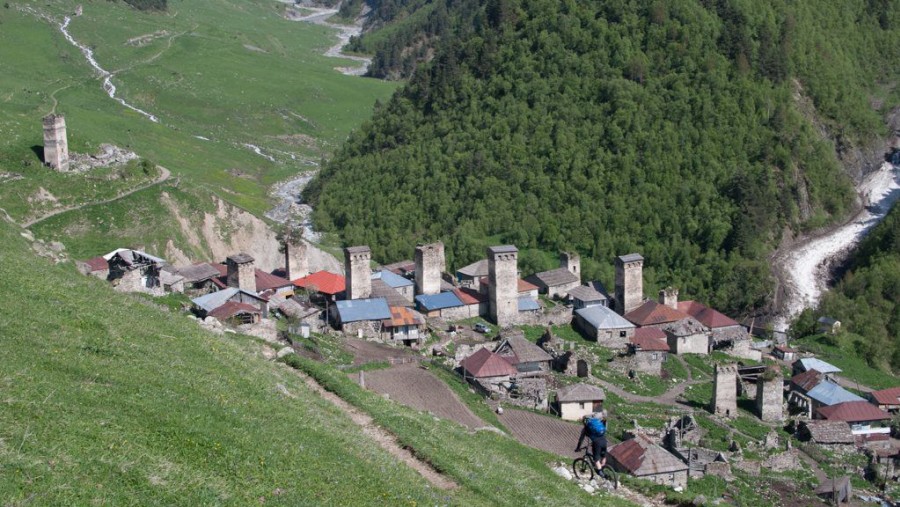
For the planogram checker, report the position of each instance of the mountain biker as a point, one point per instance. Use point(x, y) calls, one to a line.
point(597, 435)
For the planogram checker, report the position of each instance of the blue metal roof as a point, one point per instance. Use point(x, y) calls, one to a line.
point(812, 363)
point(356, 310)
point(829, 393)
point(431, 302)
point(392, 279)
point(601, 317)
point(527, 304)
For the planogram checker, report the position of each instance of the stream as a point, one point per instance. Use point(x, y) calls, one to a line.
point(804, 267)
point(319, 16)
point(108, 85)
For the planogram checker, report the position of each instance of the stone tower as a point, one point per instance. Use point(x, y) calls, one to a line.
point(629, 282)
point(56, 147)
point(724, 401)
point(503, 276)
point(669, 297)
point(357, 260)
point(429, 266)
point(770, 396)
point(241, 272)
point(296, 260)
point(572, 262)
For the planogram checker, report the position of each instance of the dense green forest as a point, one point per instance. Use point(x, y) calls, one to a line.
point(867, 299)
point(669, 128)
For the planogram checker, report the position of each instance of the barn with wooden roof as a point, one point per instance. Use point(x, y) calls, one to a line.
point(642, 458)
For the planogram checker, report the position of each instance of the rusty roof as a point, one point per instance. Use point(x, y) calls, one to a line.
point(641, 457)
point(853, 412)
point(807, 380)
point(652, 312)
point(522, 285)
point(97, 264)
point(322, 281)
point(886, 396)
point(231, 308)
point(485, 363)
point(649, 339)
point(470, 297)
point(709, 317)
point(403, 316)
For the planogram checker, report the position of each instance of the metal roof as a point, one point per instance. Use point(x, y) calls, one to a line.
point(813, 363)
point(580, 392)
point(470, 297)
point(853, 412)
point(828, 393)
point(231, 308)
point(431, 302)
point(356, 310)
point(632, 257)
point(586, 293)
point(528, 304)
point(554, 277)
point(641, 457)
point(213, 300)
point(484, 363)
point(475, 270)
point(650, 339)
point(601, 317)
point(886, 396)
point(709, 317)
point(402, 316)
point(199, 272)
point(322, 281)
point(652, 312)
point(392, 279)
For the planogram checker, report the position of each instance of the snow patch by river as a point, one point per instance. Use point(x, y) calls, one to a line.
point(108, 85)
point(806, 266)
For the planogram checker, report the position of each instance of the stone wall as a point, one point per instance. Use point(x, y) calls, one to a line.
point(504, 284)
point(691, 344)
point(56, 145)
point(724, 402)
point(358, 271)
point(429, 263)
point(770, 399)
point(629, 283)
point(296, 260)
point(648, 361)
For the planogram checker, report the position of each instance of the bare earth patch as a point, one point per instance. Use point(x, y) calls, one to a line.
point(542, 432)
point(418, 388)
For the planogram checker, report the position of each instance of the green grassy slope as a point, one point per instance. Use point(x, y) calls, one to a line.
point(232, 71)
point(108, 400)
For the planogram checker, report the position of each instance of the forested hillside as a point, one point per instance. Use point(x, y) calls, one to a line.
point(669, 127)
point(867, 299)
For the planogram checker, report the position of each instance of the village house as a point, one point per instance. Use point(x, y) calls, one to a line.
point(556, 283)
point(828, 325)
point(245, 306)
point(865, 420)
point(528, 358)
point(237, 270)
point(813, 363)
point(445, 305)
point(380, 289)
point(524, 288)
point(835, 491)
point(170, 279)
point(685, 334)
point(578, 400)
point(472, 275)
point(322, 286)
point(585, 296)
point(648, 349)
point(362, 317)
point(405, 326)
point(725, 333)
point(487, 369)
point(641, 457)
point(134, 271)
point(404, 286)
point(200, 278)
point(475, 302)
point(406, 269)
point(604, 326)
point(829, 434)
point(812, 390)
point(886, 399)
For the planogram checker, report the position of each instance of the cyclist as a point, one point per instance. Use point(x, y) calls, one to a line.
point(597, 435)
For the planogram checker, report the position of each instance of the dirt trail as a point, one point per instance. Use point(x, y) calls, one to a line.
point(164, 174)
point(386, 440)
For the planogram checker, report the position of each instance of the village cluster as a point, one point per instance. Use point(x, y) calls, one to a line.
point(408, 302)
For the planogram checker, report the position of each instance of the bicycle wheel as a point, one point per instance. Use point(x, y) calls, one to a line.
point(611, 475)
point(583, 469)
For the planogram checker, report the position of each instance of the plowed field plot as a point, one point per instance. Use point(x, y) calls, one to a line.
point(542, 432)
point(417, 388)
point(367, 352)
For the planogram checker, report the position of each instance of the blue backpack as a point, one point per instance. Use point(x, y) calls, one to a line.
point(595, 427)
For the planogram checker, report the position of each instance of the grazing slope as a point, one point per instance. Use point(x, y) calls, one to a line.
point(669, 128)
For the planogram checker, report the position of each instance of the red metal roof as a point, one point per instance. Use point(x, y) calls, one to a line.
point(629, 454)
point(807, 380)
point(485, 363)
point(641, 457)
point(651, 313)
point(886, 396)
point(231, 308)
point(853, 411)
point(523, 286)
point(322, 281)
point(403, 316)
point(650, 338)
point(707, 316)
point(266, 281)
point(97, 264)
point(469, 296)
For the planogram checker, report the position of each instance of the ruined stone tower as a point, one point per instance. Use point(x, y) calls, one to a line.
point(429, 266)
point(357, 269)
point(724, 400)
point(296, 260)
point(241, 272)
point(56, 147)
point(629, 282)
point(669, 297)
point(503, 276)
point(770, 396)
point(572, 262)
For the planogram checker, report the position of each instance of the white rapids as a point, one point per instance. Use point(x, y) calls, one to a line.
point(108, 85)
point(805, 266)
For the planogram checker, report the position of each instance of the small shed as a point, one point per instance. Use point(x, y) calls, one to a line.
point(357, 312)
point(827, 433)
point(445, 304)
point(886, 399)
point(578, 400)
point(649, 350)
point(236, 313)
point(642, 458)
point(784, 353)
point(835, 490)
point(527, 357)
point(556, 282)
point(405, 326)
point(208, 303)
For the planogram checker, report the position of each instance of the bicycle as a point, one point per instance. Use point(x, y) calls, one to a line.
point(583, 468)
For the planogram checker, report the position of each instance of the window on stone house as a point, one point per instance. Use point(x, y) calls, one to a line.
point(581, 404)
point(655, 356)
point(621, 334)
